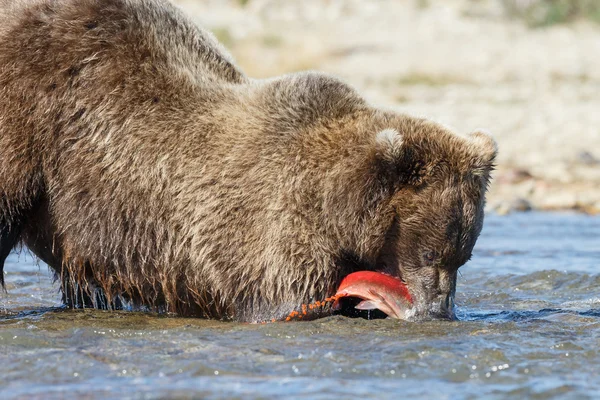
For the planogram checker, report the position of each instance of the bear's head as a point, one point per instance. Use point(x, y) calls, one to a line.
point(434, 183)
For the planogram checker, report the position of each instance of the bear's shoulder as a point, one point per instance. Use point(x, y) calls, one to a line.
point(305, 98)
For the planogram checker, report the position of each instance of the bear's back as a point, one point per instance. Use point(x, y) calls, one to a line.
point(79, 31)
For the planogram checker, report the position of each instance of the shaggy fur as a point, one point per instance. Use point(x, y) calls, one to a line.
point(147, 170)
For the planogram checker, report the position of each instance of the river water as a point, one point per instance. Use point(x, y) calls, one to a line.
point(529, 326)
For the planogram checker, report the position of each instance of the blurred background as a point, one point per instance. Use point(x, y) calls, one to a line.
point(528, 71)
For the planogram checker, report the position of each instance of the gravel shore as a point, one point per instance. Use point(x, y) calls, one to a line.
point(463, 63)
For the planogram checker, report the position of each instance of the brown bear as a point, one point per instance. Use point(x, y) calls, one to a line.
point(149, 172)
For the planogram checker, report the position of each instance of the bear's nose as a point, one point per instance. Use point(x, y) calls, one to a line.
point(442, 307)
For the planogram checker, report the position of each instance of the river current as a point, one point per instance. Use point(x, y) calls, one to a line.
point(528, 305)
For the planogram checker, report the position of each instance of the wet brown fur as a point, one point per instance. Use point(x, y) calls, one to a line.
point(145, 168)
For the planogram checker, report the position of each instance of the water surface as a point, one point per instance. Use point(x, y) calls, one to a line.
point(528, 303)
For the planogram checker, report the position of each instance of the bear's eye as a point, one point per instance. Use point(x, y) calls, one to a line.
point(429, 257)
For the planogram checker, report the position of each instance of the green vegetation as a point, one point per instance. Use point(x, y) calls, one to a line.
point(419, 78)
point(272, 40)
point(423, 4)
point(223, 36)
point(539, 13)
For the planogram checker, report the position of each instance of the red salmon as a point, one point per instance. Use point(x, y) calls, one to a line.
point(378, 291)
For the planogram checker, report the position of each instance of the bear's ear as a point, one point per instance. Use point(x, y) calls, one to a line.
point(485, 150)
point(396, 161)
point(389, 145)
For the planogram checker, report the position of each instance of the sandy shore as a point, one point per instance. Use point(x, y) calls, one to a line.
point(461, 62)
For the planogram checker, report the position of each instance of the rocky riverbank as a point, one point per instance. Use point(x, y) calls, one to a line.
point(465, 63)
